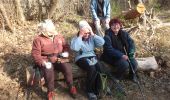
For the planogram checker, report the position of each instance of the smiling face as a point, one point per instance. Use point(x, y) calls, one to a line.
point(115, 27)
point(86, 33)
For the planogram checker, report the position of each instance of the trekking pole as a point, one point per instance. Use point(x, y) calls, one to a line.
point(32, 79)
point(138, 83)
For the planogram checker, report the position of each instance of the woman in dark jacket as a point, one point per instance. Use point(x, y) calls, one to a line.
point(118, 48)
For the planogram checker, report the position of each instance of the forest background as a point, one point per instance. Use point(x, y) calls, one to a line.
point(18, 24)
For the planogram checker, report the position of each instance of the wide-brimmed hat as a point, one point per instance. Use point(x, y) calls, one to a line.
point(47, 28)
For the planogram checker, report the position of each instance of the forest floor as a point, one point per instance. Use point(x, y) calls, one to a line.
point(15, 57)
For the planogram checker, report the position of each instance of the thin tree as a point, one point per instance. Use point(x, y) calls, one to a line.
point(52, 8)
point(19, 10)
point(8, 25)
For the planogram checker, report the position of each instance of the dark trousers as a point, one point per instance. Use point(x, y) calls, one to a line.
point(93, 78)
point(48, 74)
point(122, 67)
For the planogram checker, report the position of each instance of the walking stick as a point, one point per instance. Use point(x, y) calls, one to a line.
point(134, 73)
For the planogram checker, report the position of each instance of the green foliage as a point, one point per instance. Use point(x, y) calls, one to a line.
point(157, 6)
point(115, 8)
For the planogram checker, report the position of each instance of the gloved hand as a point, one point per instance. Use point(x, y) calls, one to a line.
point(131, 55)
point(47, 65)
point(65, 54)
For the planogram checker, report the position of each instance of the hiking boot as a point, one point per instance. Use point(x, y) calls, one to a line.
point(133, 78)
point(73, 91)
point(91, 96)
point(51, 96)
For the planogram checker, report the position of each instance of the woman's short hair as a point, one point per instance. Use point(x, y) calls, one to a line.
point(115, 20)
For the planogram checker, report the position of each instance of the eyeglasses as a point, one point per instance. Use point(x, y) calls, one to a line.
point(88, 33)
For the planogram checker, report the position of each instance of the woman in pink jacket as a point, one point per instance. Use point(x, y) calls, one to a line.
point(47, 49)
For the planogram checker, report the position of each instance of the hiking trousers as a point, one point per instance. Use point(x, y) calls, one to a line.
point(48, 74)
point(93, 82)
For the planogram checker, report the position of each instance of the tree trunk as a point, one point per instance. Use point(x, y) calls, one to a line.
point(147, 63)
point(134, 13)
point(53, 8)
point(19, 11)
point(131, 14)
point(4, 15)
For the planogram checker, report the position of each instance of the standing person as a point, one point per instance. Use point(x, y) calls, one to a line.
point(118, 43)
point(83, 44)
point(100, 10)
point(46, 49)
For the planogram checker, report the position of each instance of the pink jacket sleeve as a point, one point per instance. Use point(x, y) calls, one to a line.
point(36, 51)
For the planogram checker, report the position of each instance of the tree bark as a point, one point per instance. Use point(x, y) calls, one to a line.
point(8, 25)
point(19, 11)
point(134, 13)
point(53, 8)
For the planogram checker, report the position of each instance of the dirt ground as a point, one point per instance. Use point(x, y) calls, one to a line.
point(15, 58)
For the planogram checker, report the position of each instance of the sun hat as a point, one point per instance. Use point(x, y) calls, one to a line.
point(47, 28)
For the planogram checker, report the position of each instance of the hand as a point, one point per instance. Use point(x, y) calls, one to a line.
point(131, 55)
point(63, 60)
point(97, 22)
point(81, 33)
point(92, 34)
point(107, 20)
point(47, 65)
point(65, 54)
point(85, 30)
point(125, 57)
point(91, 31)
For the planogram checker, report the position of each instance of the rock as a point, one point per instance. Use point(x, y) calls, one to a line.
point(147, 63)
point(168, 88)
point(152, 74)
point(168, 64)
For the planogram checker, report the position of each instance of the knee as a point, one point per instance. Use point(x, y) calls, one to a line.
point(68, 69)
point(92, 70)
point(134, 63)
point(125, 66)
